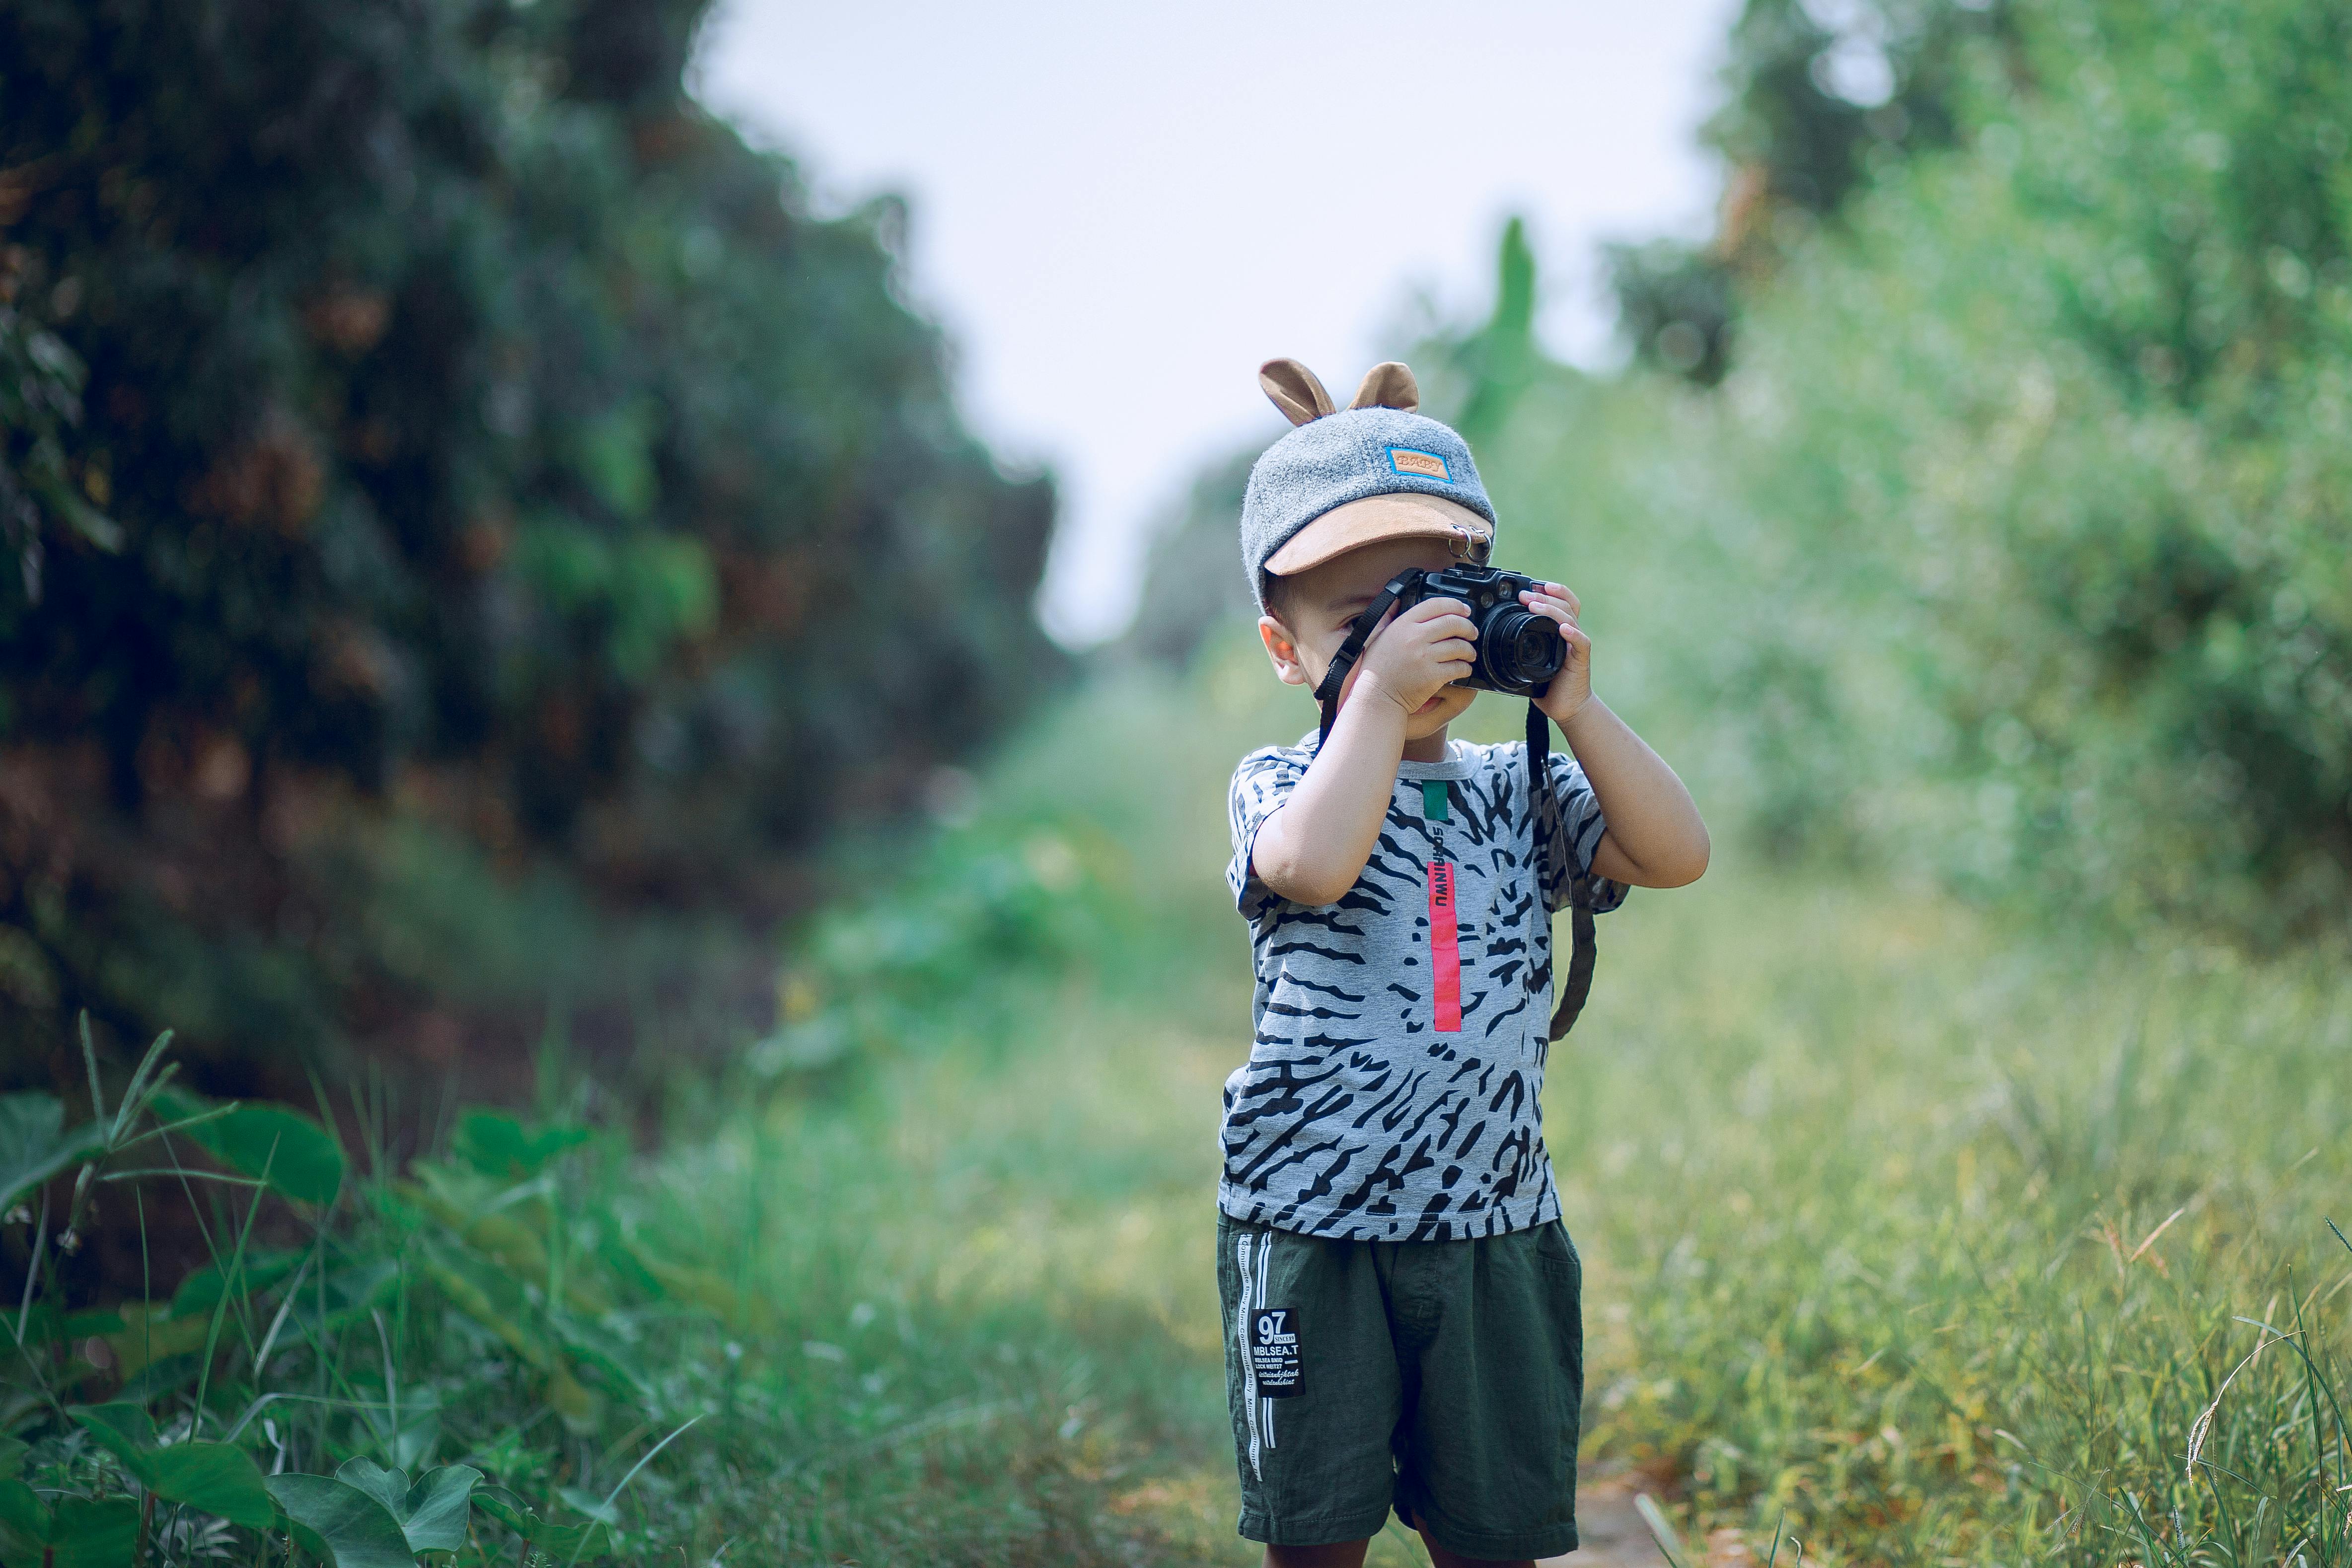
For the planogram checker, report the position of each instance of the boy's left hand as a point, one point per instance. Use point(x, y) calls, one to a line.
point(1572, 687)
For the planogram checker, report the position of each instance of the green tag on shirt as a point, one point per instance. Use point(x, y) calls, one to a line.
point(1432, 799)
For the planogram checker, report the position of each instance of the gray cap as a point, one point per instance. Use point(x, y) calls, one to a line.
point(1349, 478)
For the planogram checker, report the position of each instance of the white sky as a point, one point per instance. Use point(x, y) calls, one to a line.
point(1120, 210)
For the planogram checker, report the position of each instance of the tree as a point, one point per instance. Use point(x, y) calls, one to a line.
point(492, 490)
point(1819, 97)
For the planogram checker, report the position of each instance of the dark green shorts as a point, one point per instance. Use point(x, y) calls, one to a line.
point(1441, 1379)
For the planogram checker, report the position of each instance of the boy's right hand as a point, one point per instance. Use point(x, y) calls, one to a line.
point(1415, 656)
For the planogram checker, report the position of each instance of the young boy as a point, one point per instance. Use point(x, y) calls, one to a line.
point(1403, 1326)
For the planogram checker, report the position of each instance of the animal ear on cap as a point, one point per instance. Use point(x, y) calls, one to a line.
point(1388, 385)
point(1294, 390)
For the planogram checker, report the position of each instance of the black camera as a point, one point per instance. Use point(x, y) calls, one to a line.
point(1519, 650)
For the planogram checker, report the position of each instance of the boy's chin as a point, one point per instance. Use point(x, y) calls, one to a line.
point(1448, 705)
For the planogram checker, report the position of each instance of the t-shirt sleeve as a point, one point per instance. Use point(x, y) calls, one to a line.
point(1261, 784)
point(1579, 813)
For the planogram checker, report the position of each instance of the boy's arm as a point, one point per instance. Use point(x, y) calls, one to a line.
point(1313, 847)
point(1656, 837)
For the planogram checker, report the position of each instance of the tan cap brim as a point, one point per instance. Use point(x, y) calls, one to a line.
point(1403, 515)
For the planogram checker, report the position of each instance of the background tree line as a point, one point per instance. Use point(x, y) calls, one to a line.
point(469, 522)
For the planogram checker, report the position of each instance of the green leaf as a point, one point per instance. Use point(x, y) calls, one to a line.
point(26, 973)
point(12, 1457)
point(24, 1525)
point(582, 1542)
point(45, 1325)
point(502, 1146)
point(263, 1267)
point(389, 1488)
point(506, 1508)
point(438, 1505)
point(33, 1148)
point(432, 1512)
point(303, 1158)
point(351, 1289)
point(86, 1534)
point(484, 1294)
point(148, 1333)
point(598, 1350)
point(616, 457)
point(407, 1433)
point(579, 1500)
point(124, 1430)
point(343, 1523)
point(573, 1543)
point(573, 1400)
point(214, 1477)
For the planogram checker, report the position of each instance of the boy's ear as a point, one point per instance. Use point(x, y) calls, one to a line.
point(1294, 390)
point(1283, 649)
point(1388, 385)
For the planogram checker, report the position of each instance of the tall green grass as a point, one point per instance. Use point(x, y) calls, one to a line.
point(1919, 1238)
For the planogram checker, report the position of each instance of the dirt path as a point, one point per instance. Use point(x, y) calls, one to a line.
point(1611, 1533)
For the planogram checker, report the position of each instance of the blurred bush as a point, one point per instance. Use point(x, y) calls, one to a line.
point(2039, 478)
point(1819, 98)
point(457, 490)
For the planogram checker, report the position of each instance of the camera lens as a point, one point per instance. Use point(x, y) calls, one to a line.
point(1522, 649)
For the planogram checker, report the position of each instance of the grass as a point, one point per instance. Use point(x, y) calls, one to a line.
point(1922, 1236)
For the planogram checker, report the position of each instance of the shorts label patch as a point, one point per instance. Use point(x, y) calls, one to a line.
point(1426, 464)
point(1274, 1351)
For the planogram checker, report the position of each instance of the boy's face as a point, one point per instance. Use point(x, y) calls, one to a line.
point(1317, 607)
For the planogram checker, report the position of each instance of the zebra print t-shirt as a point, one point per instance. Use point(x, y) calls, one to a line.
point(1355, 1117)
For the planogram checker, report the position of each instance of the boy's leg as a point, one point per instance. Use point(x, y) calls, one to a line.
point(1492, 1336)
point(1338, 1554)
point(1311, 1377)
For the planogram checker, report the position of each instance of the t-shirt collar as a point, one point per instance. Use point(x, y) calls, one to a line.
point(1458, 763)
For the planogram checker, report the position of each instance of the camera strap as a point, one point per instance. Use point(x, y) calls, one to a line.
point(1327, 691)
point(1554, 855)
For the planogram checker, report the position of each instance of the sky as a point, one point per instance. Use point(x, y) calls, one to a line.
point(1118, 211)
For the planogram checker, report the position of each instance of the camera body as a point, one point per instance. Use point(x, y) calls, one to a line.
point(1519, 650)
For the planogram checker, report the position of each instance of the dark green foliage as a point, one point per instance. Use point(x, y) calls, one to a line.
point(1674, 306)
point(1820, 94)
point(2052, 456)
point(437, 449)
point(291, 1153)
point(536, 1341)
point(40, 405)
point(1819, 99)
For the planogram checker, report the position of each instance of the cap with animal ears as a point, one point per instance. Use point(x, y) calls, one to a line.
point(1344, 478)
